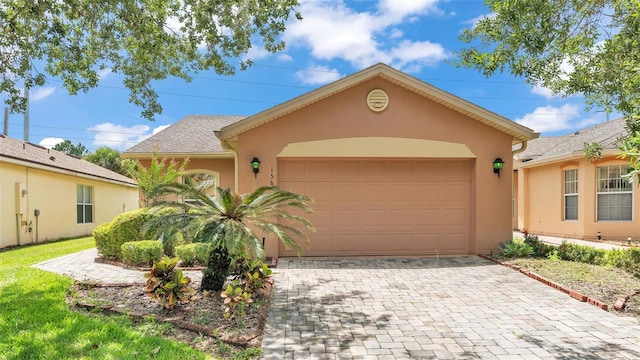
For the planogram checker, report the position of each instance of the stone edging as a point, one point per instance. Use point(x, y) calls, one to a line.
point(574, 294)
point(238, 340)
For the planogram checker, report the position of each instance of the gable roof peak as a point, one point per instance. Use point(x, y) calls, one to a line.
point(518, 132)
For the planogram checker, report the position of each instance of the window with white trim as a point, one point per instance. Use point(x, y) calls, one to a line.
point(614, 194)
point(571, 194)
point(84, 204)
point(205, 181)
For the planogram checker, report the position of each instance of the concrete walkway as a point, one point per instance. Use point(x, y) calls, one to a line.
point(82, 267)
point(427, 308)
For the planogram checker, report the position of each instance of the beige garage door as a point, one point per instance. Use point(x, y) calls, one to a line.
point(384, 207)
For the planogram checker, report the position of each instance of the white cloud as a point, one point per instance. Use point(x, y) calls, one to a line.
point(121, 137)
point(256, 53)
point(331, 30)
point(396, 34)
point(565, 69)
point(102, 74)
point(50, 142)
point(550, 118)
point(474, 22)
point(400, 9)
point(423, 52)
point(318, 75)
point(285, 58)
point(41, 93)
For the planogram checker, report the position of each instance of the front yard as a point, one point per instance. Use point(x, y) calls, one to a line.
point(599, 282)
point(36, 322)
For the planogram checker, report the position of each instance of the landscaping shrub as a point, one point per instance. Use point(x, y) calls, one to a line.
point(167, 285)
point(217, 271)
point(539, 248)
point(516, 248)
point(125, 227)
point(169, 244)
point(195, 254)
point(581, 253)
point(141, 253)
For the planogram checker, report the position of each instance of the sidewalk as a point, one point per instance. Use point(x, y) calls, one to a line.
point(81, 266)
point(557, 241)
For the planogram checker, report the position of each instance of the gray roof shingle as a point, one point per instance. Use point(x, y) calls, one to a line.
point(191, 135)
point(17, 150)
point(607, 134)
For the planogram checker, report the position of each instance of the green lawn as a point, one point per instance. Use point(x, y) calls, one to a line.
point(35, 322)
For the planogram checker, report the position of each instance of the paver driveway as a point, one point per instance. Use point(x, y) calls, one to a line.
point(450, 308)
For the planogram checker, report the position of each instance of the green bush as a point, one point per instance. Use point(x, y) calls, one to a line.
point(581, 253)
point(141, 253)
point(167, 285)
point(195, 254)
point(125, 227)
point(516, 248)
point(539, 248)
point(170, 244)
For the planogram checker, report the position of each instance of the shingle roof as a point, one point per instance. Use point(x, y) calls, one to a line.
point(13, 150)
point(606, 134)
point(191, 135)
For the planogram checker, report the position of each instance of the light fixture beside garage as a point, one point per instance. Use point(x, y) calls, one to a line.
point(377, 100)
point(497, 166)
point(255, 164)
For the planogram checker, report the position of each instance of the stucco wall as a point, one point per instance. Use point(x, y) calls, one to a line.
point(224, 167)
point(540, 197)
point(408, 116)
point(55, 196)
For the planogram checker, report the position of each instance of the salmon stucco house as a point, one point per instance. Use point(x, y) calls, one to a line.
point(48, 195)
point(395, 165)
point(562, 193)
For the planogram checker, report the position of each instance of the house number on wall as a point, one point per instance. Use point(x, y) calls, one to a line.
point(271, 177)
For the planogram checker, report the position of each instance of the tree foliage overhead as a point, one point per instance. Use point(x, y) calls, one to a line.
point(144, 40)
point(590, 47)
point(70, 148)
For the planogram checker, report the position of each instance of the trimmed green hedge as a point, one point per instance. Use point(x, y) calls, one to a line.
point(626, 259)
point(142, 253)
point(195, 254)
point(127, 227)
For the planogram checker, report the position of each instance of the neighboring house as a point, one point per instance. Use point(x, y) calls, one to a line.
point(48, 195)
point(561, 193)
point(395, 165)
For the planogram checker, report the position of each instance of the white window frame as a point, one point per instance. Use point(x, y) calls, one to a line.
point(83, 203)
point(613, 183)
point(570, 180)
point(212, 191)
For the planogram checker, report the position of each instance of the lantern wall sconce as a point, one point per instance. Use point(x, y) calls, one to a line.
point(255, 164)
point(497, 166)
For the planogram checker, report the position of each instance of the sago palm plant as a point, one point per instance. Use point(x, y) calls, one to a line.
point(234, 224)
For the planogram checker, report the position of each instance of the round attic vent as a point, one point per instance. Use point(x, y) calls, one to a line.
point(377, 100)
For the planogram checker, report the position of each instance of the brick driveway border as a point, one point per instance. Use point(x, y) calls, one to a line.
point(428, 308)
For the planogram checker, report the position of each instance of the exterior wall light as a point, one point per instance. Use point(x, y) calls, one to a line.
point(599, 235)
point(255, 164)
point(497, 166)
point(629, 240)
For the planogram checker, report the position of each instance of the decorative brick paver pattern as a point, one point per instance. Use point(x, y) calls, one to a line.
point(427, 308)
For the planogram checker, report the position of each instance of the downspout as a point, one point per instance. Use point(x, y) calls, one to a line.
point(226, 146)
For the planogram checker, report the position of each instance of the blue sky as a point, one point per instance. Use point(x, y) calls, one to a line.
point(335, 39)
